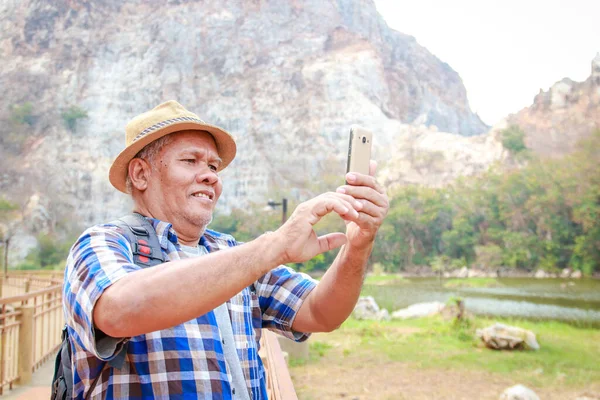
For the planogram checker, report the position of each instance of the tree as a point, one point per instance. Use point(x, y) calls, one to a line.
point(9, 218)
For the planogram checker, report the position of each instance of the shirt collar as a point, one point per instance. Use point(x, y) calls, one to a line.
point(164, 231)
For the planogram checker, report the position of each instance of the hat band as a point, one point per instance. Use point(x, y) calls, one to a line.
point(162, 124)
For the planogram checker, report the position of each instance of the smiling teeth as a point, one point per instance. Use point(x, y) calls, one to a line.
point(202, 195)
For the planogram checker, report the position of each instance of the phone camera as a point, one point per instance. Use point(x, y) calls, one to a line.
point(364, 139)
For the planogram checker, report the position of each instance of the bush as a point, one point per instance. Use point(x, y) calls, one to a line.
point(49, 252)
point(72, 115)
point(22, 114)
point(512, 140)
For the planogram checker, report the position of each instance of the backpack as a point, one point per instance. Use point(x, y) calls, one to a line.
point(146, 253)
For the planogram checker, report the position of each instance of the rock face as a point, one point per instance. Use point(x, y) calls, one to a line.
point(286, 78)
point(422, 155)
point(563, 115)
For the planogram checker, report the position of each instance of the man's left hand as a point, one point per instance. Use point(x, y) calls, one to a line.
point(365, 189)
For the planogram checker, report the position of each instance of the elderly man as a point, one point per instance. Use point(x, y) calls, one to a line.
point(189, 328)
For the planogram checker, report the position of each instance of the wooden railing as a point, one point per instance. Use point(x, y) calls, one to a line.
point(31, 323)
point(30, 328)
point(25, 282)
point(279, 382)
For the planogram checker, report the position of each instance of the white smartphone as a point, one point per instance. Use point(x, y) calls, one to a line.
point(359, 150)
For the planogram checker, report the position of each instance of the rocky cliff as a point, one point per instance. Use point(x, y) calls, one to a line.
point(561, 116)
point(287, 78)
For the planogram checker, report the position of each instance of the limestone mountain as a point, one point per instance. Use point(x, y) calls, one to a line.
point(286, 78)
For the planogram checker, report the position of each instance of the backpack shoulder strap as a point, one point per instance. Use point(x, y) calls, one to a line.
point(143, 239)
point(146, 253)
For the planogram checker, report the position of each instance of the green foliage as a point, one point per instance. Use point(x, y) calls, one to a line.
point(22, 114)
point(489, 255)
point(49, 252)
point(72, 115)
point(545, 215)
point(6, 208)
point(440, 263)
point(512, 140)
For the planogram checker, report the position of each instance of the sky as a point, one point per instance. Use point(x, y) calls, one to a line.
point(504, 51)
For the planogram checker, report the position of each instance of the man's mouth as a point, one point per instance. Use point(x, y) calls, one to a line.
point(204, 194)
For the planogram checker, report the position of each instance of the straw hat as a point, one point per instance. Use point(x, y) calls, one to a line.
point(168, 117)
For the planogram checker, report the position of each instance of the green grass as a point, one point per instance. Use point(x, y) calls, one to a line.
point(316, 350)
point(568, 356)
point(472, 283)
point(385, 279)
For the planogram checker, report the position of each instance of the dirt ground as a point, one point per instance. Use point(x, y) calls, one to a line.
point(362, 377)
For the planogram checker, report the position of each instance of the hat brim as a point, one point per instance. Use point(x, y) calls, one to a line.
point(226, 148)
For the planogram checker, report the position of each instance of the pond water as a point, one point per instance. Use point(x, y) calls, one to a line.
point(571, 300)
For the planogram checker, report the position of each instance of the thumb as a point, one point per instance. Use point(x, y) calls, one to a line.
point(331, 241)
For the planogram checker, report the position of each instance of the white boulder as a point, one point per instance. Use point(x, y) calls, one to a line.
point(506, 337)
point(366, 308)
point(419, 310)
point(576, 274)
point(519, 392)
point(540, 274)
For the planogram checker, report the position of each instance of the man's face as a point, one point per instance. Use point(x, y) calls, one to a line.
point(184, 186)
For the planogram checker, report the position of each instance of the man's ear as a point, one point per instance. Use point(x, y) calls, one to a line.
point(139, 173)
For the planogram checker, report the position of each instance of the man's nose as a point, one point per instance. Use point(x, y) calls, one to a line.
point(207, 176)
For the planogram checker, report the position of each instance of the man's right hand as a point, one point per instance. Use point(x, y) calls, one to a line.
point(296, 240)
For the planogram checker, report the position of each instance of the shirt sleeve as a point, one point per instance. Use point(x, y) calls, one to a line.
point(100, 257)
point(281, 293)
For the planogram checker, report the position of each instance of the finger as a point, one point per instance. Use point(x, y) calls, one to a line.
point(327, 204)
point(367, 222)
point(352, 202)
point(372, 167)
point(331, 241)
point(366, 193)
point(372, 210)
point(356, 179)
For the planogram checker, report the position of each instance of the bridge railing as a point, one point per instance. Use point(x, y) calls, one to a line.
point(24, 282)
point(31, 324)
point(279, 381)
point(30, 328)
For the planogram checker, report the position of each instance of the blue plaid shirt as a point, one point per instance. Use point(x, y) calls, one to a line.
point(182, 362)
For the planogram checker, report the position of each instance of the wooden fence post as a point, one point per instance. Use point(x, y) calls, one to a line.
point(27, 285)
point(26, 345)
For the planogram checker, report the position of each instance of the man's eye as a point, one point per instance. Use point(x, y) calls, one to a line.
point(189, 160)
point(213, 168)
